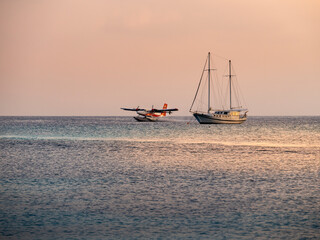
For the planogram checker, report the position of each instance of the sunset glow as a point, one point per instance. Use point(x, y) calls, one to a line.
point(93, 57)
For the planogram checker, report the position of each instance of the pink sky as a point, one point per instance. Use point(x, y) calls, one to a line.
point(64, 57)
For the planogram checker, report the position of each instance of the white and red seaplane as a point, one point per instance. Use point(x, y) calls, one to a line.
point(152, 115)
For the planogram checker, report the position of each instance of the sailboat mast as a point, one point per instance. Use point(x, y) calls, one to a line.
point(209, 82)
point(230, 81)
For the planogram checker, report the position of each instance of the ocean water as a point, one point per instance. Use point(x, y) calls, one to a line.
point(115, 178)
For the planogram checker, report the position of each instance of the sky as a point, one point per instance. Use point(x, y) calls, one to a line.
point(90, 58)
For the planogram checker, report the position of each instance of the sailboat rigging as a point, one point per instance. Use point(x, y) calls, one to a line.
point(231, 115)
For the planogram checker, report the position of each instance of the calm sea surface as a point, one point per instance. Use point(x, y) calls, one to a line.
point(115, 178)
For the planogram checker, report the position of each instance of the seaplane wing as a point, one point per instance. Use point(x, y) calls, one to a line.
point(165, 110)
point(133, 109)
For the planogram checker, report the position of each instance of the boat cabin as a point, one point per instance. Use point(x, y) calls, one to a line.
point(231, 113)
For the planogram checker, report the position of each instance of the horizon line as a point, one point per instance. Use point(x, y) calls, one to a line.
point(132, 116)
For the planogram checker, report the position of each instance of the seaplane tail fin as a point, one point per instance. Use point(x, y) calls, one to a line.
point(165, 106)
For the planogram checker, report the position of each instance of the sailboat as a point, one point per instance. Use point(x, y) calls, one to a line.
point(230, 115)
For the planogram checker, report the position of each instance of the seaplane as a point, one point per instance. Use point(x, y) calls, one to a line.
point(152, 115)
